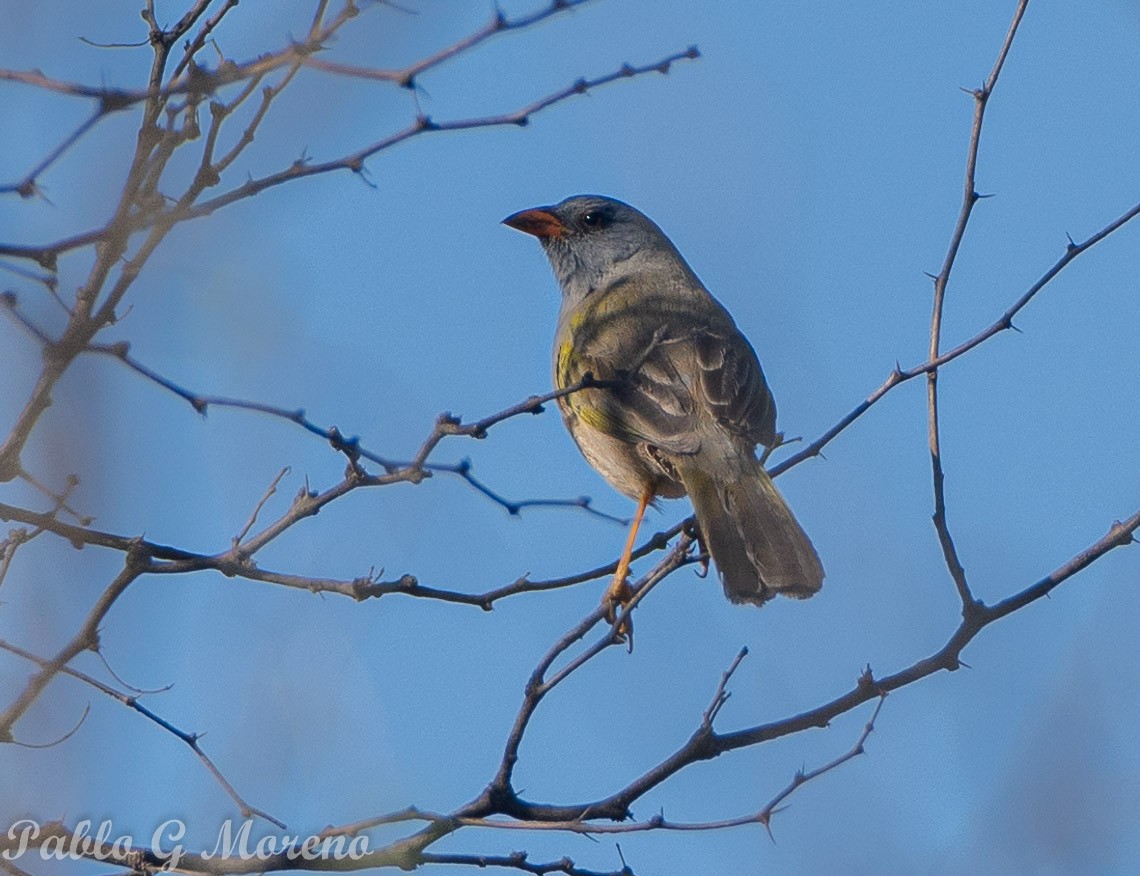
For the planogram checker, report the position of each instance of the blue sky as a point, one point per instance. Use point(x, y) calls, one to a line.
point(809, 167)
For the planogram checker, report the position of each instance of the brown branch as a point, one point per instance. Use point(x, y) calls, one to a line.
point(86, 639)
point(970, 197)
point(519, 861)
point(132, 702)
point(423, 125)
point(406, 76)
point(499, 793)
point(801, 778)
point(140, 206)
point(190, 78)
point(20, 536)
point(660, 822)
point(705, 744)
point(1001, 324)
point(26, 187)
point(208, 26)
point(166, 559)
point(351, 447)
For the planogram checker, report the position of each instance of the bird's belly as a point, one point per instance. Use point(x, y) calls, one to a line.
point(626, 466)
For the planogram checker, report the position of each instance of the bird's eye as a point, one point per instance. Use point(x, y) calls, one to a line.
point(595, 219)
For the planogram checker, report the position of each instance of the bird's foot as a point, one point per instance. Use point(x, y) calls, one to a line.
point(616, 600)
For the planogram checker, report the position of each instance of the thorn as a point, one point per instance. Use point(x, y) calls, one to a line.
point(982, 197)
point(1123, 536)
point(933, 277)
point(1072, 246)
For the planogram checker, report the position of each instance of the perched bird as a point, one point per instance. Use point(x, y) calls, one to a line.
point(683, 402)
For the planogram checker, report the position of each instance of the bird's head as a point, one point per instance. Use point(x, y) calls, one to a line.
point(592, 240)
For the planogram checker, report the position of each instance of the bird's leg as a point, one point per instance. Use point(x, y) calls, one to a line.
point(618, 595)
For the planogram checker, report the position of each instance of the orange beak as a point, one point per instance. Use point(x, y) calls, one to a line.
point(540, 222)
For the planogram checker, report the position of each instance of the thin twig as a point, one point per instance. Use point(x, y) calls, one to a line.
point(970, 197)
point(1001, 324)
point(131, 701)
point(519, 861)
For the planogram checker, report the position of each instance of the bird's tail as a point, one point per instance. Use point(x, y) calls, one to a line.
point(758, 547)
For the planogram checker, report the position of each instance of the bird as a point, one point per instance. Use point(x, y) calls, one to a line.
point(673, 400)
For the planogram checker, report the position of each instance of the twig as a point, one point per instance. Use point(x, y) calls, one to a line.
point(519, 861)
point(166, 559)
point(406, 77)
point(26, 187)
point(801, 778)
point(1001, 324)
point(257, 508)
point(351, 447)
point(61, 739)
point(131, 701)
point(720, 697)
point(705, 743)
point(422, 125)
point(86, 638)
point(970, 197)
point(538, 686)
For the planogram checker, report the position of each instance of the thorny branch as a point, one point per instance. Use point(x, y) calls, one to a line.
point(970, 197)
point(169, 107)
point(704, 744)
point(131, 701)
point(141, 207)
point(1001, 324)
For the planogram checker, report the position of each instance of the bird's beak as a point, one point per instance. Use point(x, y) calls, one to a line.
point(540, 222)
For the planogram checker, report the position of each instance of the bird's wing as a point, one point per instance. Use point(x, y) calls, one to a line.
point(650, 404)
point(647, 398)
point(732, 386)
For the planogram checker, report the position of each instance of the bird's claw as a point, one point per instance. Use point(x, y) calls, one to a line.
point(616, 600)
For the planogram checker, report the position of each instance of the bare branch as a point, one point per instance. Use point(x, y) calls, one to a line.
point(706, 744)
point(1001, 324)
point(424, 125)
point(26, 187)
point(519, 861)
point(132, 702)
point(969, 198)
point(86, 639)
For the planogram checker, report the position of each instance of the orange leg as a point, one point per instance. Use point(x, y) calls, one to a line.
point(619, 594)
